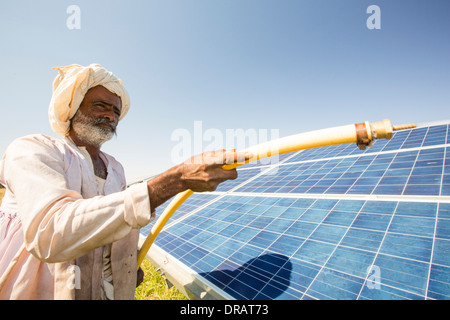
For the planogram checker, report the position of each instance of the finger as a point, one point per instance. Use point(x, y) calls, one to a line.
point(244, 156)
point(233, 174)
point(225, 175)
point(232, 156)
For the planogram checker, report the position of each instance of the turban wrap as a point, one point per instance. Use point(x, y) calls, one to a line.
point(69, 88)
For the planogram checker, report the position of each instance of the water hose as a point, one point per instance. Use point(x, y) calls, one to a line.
point(363, 134)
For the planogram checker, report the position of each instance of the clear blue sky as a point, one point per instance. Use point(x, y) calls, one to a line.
point(293, 66)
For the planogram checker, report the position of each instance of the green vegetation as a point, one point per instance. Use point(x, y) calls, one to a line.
point(154, 286)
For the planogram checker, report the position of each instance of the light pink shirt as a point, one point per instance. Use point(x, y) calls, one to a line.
point(54, 223)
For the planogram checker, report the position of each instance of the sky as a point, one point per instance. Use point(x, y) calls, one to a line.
point(197, 69)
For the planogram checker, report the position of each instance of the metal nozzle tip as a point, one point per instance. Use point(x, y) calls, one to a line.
point(404, 126)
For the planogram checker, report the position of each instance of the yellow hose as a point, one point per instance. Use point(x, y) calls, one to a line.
point(363, 134)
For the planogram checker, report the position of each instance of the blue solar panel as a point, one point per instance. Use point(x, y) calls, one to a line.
point(326, 223)
point(399, 173)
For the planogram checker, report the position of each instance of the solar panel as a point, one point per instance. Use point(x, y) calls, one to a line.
point(326, 223)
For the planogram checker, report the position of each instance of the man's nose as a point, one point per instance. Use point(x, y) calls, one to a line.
point(110, 115)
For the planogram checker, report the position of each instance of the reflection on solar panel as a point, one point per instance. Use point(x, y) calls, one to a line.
point(327, 223)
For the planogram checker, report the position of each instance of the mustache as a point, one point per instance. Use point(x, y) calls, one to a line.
point(98, 121)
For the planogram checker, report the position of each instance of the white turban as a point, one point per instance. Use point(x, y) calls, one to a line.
point(69, 88)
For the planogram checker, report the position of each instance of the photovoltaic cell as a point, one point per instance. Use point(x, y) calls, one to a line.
point(192, 203)
point(326, 223)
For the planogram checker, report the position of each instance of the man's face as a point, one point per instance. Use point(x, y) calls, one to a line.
point(96, 120)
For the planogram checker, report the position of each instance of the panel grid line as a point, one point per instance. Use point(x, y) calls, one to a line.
point(377, 253)
point(325, 263)
point(432, 252)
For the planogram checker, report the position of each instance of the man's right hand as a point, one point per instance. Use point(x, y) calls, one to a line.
point(204, 172)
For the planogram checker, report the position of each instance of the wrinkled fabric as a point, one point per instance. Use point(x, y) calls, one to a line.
point(55, 222)
point(108, 285)
point(10, 237)
point(70, 87)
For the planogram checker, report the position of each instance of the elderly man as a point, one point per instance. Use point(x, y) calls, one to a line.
point(69, 227)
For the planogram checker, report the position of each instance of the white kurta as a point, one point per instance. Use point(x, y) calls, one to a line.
point(55, 222)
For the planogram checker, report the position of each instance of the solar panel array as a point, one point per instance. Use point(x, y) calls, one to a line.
point(326, 223)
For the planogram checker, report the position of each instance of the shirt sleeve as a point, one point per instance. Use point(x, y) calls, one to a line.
point(58, 223)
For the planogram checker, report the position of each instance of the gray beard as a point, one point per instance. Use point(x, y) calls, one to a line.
point(87, 129)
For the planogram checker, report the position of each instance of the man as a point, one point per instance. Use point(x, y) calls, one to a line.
point(69, 227)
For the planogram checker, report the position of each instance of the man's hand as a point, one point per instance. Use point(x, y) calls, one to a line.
point(204, 172)
point(200, 173)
